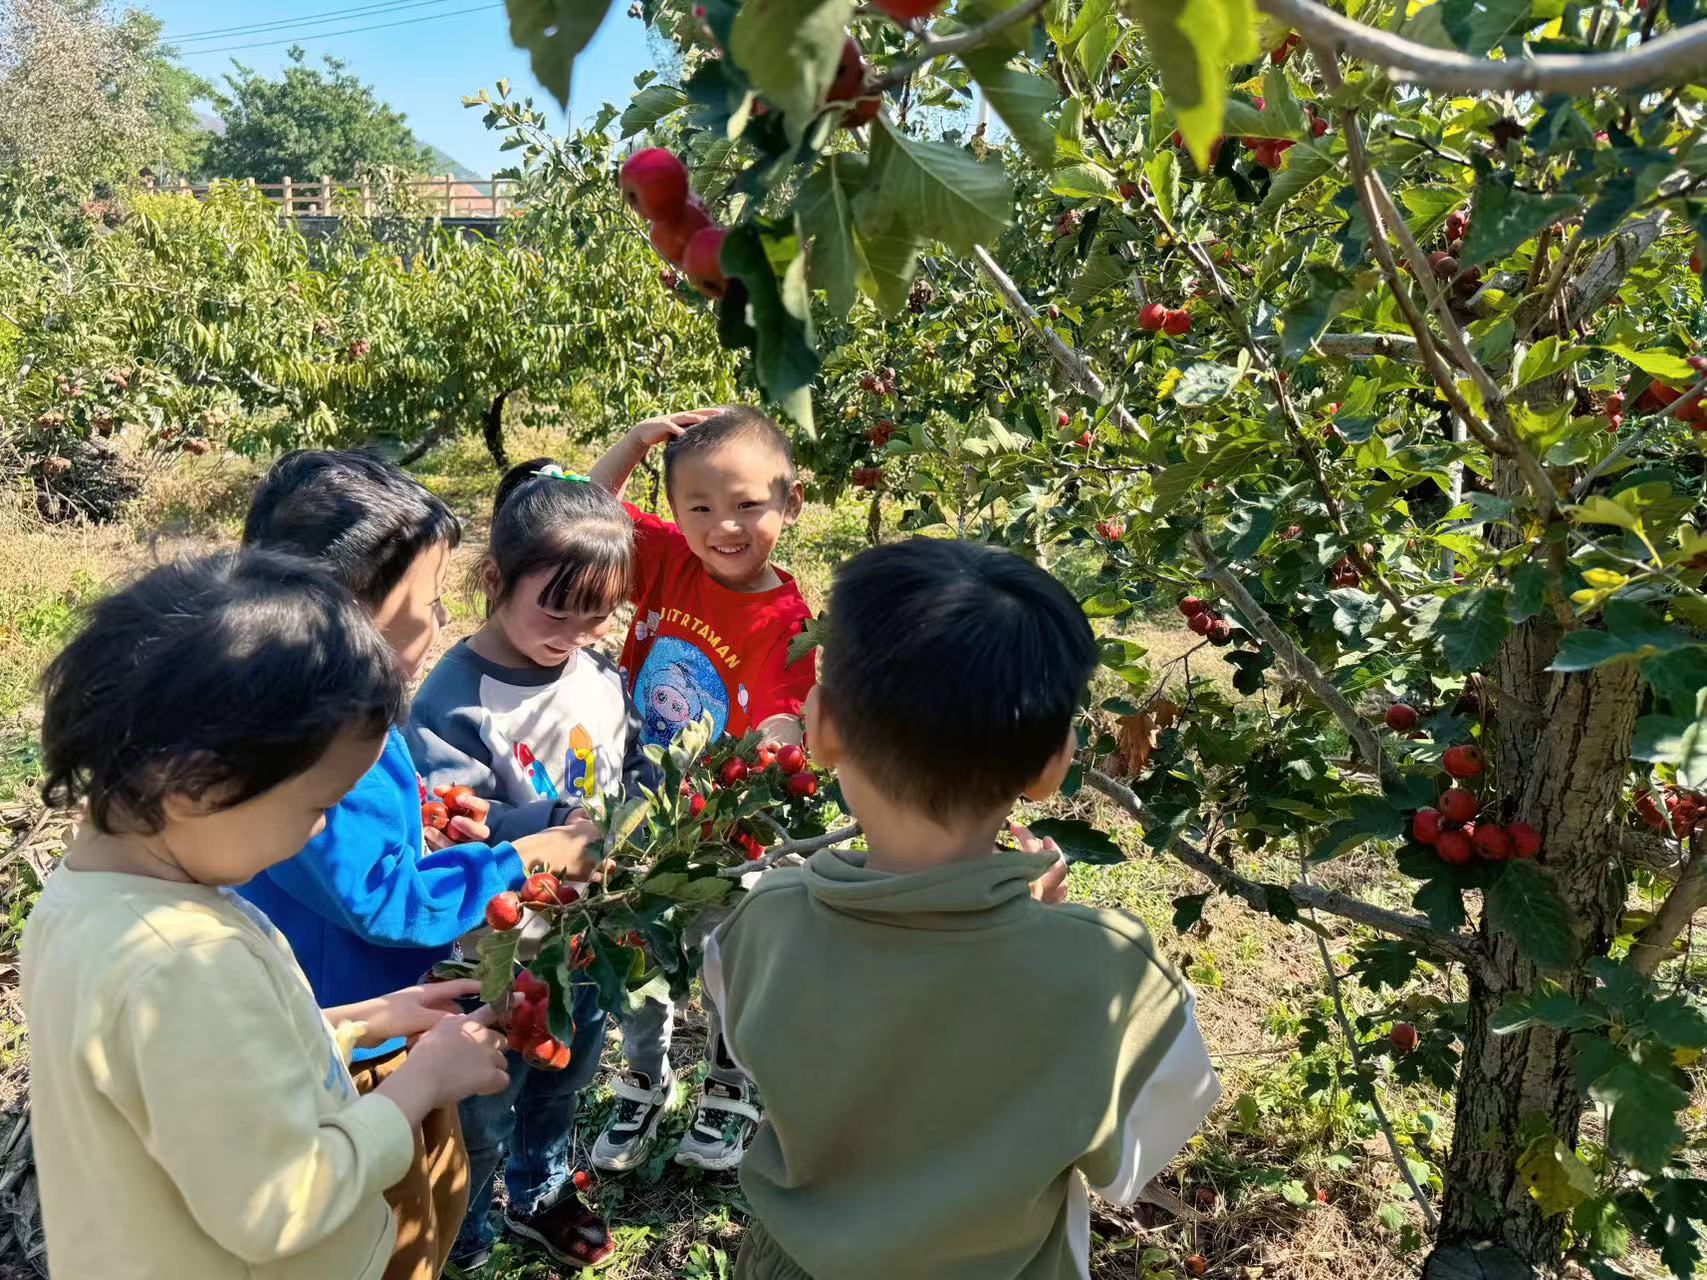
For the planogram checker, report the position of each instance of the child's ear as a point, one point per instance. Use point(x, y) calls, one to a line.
point(1049, 779)
point(796, 503)
point(821, 736)
point(491, 581)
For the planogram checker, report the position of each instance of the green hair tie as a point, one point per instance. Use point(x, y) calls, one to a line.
point(556, 472)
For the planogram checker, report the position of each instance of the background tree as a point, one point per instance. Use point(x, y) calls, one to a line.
point(305, 123)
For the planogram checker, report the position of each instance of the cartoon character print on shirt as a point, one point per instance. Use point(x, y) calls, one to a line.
point(536, 771)
point(580, 769)
point(677, 685)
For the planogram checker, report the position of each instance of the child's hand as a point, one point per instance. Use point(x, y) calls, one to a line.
point(662, 430)
point(569, 852)
point(1050, 888)
point(458, 1058)
point(415, 1010)
point(459, 830)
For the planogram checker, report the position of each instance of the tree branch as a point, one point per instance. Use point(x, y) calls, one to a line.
point(1687, 896)
point(789, 848)
point(1395, 346)
point(1452, 948)
point(1290, 655)
point(933, 47)
point(1672, 58)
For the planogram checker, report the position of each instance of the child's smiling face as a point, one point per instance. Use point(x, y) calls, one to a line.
point(732, 504)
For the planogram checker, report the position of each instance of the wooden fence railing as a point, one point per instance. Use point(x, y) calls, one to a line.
point(446, 196)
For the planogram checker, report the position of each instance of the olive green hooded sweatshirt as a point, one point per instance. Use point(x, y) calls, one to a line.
point(941, 1056)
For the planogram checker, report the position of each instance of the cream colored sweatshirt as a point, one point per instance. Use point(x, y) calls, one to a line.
point(192, 1114)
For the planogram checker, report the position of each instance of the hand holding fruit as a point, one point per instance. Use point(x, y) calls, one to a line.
point(457, 816)
point(1050, 888)
point(459, 1057)
point(413, 1010)
point(570, 852)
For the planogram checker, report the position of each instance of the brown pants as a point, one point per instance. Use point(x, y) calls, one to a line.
point(430, 1201)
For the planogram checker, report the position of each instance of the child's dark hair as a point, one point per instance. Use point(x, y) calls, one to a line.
point(727, 427)
point(215, 678)
point(545, 519)
point(362, 518)
point(952, 671)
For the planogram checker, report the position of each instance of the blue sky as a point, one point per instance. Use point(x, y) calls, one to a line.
point(429, 53)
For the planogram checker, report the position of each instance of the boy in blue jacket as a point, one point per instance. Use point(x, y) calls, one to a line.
point(366, 908)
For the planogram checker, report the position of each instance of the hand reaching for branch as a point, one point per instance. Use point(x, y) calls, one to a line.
point(1050, 888)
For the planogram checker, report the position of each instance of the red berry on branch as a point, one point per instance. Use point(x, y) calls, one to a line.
point(1425, 826)
point(1458, 805)
point(1062, 418)
point(504, 911)
point(654, 183)
point(1191, 606)
point(1525, 840)
point(1085, 441)
point(1200, 623)
point(542, 889)
point(801, 785)
point(696, 805)
point(734, 772)
point(791, 758)
point(531, 987)
point(1153, 317)
point(1401, 717)
point(1113, 530)
point(670, 238)
point(1177, 323)
point(1403, 1037)
point(1454, 848)
point(907, 10)
point(1220, 632)
point(702, 260)
point(1492, 841)
point(1463, 762)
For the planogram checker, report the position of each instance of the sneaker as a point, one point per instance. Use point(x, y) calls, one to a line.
point(640, 1108)
point(467, 1264)
point(727, 1117)
point(566, 1229)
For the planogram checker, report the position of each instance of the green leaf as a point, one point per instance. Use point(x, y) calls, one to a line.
point(1600, 1223)
point(1667, 366)
point(790, 51)
point(1079, 841)
point(1547, 357)
point(1678, 677)
point(1371, 818)
point(1426, 207)
point(1528, 591)
point(651, 105)
point(1188, 910)
point(1082, 182)
point(1507, 216)
point(554, 32)
point(1469, 626)
point(1522, 901)
point(1163, 175)
point(1106, 604)
point(1329, 291)
point(940, 191)
point(1205, 382)
point(1020, 98)
point(1604, 510)
point(1303, 168)
point(783, 356)
point(1556, 1176)
point(498, 964)
point(1659, 739)
point(1549, 1006)
point(1093, 37)
point(1477, 26)
point(1642, 1106)
point(827, 230)
point(1631, 632)
point(1194, 42)
point(1102, 271)
point(1691, 758)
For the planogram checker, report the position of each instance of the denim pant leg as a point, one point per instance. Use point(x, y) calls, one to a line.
point(545, 1112)
point(521, 1119)
point(646, 1037)
point(719, 1065)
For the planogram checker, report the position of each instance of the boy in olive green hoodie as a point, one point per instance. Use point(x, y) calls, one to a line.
point(941, 1054)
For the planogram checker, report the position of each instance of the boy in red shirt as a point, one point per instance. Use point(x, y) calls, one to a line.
point(712, 627)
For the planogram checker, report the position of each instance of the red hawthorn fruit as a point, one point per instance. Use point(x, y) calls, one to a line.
point(529, 1017)
point(1177, 323)
point(655, 184)
point(1205, 1198)
point(791, 758)
point(530, 987)
point(702, 261)
point(1425, 826)
point(542, 889)
point(1403, 1037)
point(1686, 812)
point(1062, 418)
point(1656, 397)
point(1128, 190)
point(1454, 848)
point(519, 1041)
point(1525, 840)
point(434, 815)
point(1614, 404)
point(1113, 530)
point(1085, 441)
point(733, 772)
point(907, 10)
point(1614, 421)
point(1200, 623)
point(850, 73)
point(1196, 1265)
point(504, 911)
point(1457, 804)
point(1401, 717)
point(581, 953)
point(1492, 841)
point(765, 756)
point(1283, 50)
point(750, 846)
point(1321, 1195)
point(1220, 632)
point(1318, 126)
point(696, 805)
point(462, 802)
point(1444, 264)
point(866, 477)
point(1649, 811)
point(195, 447)
point(801, 785)
point(548, 1054)
point(1191, 606)
point(1153, 317)
point(583, 1180)
point(1463, 762)
point(671, 238)
point(881, 433)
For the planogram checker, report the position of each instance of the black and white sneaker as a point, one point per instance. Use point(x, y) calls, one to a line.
point(725, 1120)
point(640, 1108)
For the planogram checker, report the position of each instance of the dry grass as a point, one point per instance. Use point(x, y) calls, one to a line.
point(1251, 972)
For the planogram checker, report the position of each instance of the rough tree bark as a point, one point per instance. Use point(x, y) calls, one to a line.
point(494, 430)
point(1561, 744)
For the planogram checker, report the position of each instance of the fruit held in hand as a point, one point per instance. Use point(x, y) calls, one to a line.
point(1463, 762)
point(1153, 317)
point(734, 772)
point(504, 911)
point(655, 184)
point(801, 785)
point(1425, 826)
point(1457, 804)
point(1525, 840)
point(541, 889)
point(530, 987)
point(1403, 1037)
point(547, 1054)
point(1454, 847)
point(702, 260)
point(435, 815)
point(1401, 717)
point(791, 758)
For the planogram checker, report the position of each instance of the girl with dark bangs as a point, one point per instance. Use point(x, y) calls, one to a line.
point(536, 721)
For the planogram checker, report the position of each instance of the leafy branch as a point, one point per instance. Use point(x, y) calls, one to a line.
point(934, 47)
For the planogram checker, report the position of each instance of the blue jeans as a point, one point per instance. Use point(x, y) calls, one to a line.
point(534, 1120)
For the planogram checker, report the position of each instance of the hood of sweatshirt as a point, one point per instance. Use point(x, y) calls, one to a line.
point(977, 893)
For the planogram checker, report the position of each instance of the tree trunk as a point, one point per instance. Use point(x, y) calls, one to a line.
point(494, 430)
point(1560, 747)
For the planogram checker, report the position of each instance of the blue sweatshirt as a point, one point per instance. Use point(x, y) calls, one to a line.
point(365, 909)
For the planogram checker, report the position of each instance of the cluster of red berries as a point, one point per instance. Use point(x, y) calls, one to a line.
point(1345, 573)
point(1155, 318)
point(529, 1032)
point(878, 384)
point(853, 84)
point(1113, 530)
point(452, 802)
point(1659, 395)
point(881, 432)
point(868, 478)
point(1683, 811)
point(1204, 621)
point(789, 759)
point(540, 891)
point(1452, 829)
point(655, 185)
point(1444, 262)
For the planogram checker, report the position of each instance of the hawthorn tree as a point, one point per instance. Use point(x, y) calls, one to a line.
point(1375, 334)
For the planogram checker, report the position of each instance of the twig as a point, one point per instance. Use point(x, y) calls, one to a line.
point(1381, 1119)
point(1686, 897)
point(1452, 948)
point(788, 848)
point(1672, 58)
point(1290, 655)
point(933, 47)
point(1071, 363)
point(1396, 346)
